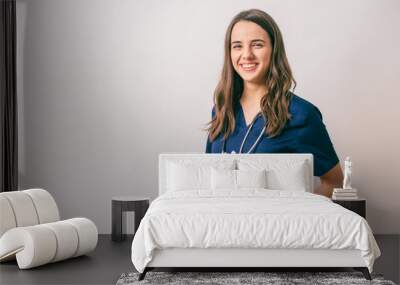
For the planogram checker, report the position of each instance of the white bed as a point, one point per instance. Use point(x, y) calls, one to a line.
point(193, 225)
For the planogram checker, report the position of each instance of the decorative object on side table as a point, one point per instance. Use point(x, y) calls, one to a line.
point(347, 192)
point(347, 196)
point(124, 204)
point(347, 173)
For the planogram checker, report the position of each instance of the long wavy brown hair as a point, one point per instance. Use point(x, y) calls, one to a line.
point(279, 80)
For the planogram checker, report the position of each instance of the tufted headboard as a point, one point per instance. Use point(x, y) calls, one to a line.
point(271, 160)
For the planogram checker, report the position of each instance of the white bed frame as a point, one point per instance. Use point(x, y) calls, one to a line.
point(250, 257)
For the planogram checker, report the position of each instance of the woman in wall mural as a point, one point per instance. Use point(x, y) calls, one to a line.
point(254, 110)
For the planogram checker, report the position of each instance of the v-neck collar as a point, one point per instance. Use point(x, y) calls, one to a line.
point(244, 123)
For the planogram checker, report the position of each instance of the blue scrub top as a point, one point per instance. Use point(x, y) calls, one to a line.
point(303, 133)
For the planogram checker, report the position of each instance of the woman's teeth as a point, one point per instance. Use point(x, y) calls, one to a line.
point(249, 67)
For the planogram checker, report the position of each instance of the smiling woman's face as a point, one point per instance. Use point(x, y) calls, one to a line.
point(250, 51)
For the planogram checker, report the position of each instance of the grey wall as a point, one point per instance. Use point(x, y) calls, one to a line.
point(105, 86)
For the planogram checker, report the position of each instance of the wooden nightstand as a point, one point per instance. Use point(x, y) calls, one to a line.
point(358, 206)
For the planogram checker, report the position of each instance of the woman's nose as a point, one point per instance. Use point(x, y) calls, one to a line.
point(247, 53)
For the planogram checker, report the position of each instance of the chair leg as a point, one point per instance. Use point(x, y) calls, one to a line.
point(364, 271)
point(143, 274)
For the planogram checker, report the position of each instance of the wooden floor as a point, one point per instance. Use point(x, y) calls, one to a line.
point(111, 259)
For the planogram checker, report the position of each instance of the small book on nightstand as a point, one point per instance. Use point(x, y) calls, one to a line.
point(345, 194)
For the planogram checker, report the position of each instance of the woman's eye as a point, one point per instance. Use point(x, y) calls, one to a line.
point(236, 46)
point(258, 45)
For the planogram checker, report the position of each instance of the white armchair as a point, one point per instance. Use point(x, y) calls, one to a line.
point(31, 230)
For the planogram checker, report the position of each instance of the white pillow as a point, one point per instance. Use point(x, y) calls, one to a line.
point(223, 179)
point(281, 174)
point(188, 175)
point(184, 177)
point(293, 178)
point(237, 179)
point(251, 178)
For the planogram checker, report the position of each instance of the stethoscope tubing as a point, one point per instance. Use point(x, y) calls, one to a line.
point(245, 138)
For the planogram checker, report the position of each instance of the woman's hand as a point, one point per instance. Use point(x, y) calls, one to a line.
point(332, 179)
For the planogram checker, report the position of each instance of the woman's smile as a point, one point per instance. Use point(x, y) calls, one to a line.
point(249, 67)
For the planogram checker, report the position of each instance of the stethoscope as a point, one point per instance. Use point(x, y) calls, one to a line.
point(245, 137)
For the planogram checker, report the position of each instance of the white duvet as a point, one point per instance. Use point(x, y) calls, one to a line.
point(250, 218)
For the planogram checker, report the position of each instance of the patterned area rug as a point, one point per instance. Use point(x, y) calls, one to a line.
point(270, 278)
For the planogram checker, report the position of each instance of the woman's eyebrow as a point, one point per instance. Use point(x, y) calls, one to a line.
point(255, 40)
point(258, 40)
